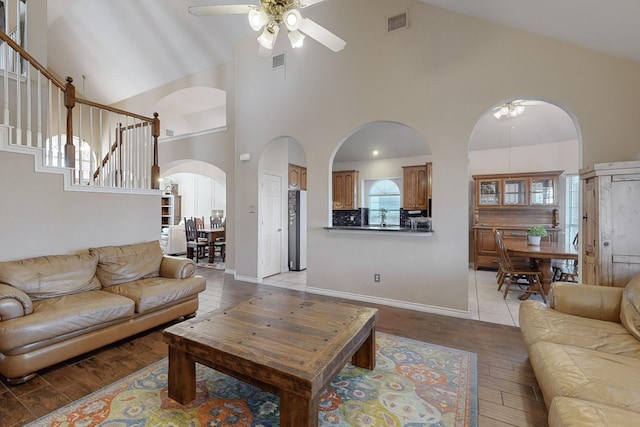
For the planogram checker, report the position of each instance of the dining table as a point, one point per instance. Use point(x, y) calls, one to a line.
point(211, 234)
point(542, 255)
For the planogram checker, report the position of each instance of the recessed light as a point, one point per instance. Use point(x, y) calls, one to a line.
point(375, 152)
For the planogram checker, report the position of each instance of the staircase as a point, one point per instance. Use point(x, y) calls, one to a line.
point(95, 147)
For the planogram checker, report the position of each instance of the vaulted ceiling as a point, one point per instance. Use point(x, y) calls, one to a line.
point(126, 47)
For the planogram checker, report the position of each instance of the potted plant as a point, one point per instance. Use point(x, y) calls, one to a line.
point(535, 233)
point(383, 216)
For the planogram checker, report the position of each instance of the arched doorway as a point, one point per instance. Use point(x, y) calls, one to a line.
point(518, 135)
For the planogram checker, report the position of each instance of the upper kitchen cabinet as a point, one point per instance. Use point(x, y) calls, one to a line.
point(416, 187)
point(345, 190)
point(297, 177)
point(517, 189)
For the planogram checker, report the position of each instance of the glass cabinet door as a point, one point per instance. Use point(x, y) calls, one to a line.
point(514, 192)
point(488, 192)
point(542, 191)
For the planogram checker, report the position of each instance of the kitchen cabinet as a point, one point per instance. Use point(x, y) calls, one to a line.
point(345, 190)
point(416, 187)
point(512, 203)
point(610, 234)
point(297, 177)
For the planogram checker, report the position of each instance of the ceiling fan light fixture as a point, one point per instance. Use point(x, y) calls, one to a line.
point(509, 109)
point(292, 19)
point(296, 38)
point(268, 37)
point(257, 19)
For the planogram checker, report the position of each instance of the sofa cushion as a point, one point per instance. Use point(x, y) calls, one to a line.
point(563, 370)
point(630, 309)
point(51, 276)
point(155, 292)
point(54, 317)
point(540, 323)
point(567, 412)
point(126, 263)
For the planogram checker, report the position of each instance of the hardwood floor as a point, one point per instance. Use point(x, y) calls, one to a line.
point(508, 393)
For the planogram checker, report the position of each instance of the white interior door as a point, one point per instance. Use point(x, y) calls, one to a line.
point(271, 224)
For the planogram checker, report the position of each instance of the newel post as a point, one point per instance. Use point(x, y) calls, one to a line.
point(155, 169)
point(69, 102)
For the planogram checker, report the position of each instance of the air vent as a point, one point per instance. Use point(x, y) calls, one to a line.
point(278, 61)
point(168, 132)
point(397, 22)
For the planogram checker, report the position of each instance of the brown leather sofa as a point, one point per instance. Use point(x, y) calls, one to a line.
point(585, 351)
point(53, 308)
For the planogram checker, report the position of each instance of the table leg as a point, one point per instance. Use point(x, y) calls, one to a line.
point(297, 411)
point(546, 275)
point(182, 376)
point(365, 356)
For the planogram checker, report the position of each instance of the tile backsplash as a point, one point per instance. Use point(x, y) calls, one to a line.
point(356, 217)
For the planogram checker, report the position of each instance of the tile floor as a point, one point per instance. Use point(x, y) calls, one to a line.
point(485, 301)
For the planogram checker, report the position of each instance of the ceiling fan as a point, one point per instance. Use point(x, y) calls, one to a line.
point(271, 15)
point(513, 108)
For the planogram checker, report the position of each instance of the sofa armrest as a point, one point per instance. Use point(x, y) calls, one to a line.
point(13, 302)
point(595, 302)
point(173, 267)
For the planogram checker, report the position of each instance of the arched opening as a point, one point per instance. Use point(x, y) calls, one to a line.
point(192, 110)
point(368, 173)
point(528, 150)
point(198, 190)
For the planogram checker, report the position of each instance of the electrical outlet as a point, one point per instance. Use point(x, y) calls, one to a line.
point(376, 277)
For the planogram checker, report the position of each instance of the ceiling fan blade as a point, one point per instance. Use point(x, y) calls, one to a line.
point(306, 3)
point(322, 35)
point(229, 9)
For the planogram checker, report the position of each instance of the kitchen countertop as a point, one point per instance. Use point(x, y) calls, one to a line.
point(379, 229)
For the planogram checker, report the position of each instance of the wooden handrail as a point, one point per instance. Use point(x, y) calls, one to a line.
point(70, 101)
point(23, 53)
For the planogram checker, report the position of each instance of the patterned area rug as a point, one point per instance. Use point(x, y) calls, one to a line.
point(414, 384)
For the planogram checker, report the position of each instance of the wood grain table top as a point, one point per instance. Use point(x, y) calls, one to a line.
point(298, 342)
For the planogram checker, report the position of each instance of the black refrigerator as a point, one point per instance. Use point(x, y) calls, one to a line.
point(297, 230)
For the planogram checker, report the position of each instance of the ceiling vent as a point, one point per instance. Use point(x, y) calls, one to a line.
point(278, 61)
point(397, 22)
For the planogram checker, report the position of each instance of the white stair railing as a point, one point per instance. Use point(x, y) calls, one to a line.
point(105, 146)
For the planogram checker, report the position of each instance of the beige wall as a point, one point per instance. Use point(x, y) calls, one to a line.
point(39, 218)
point(437, 77)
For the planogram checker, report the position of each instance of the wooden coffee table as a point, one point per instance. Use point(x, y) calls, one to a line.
point(290, 345)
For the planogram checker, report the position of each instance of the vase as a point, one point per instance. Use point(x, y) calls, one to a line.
point(534, 240)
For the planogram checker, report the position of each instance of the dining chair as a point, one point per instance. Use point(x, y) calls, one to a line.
point(566, 270)
point(502, 274)
point(196, 248)
point(514, 275)
point(219, 244)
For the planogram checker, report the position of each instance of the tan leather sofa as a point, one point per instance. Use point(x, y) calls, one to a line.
point(53, 308)
point(585, 351)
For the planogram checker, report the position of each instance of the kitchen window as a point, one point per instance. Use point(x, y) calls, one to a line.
point(383, 193)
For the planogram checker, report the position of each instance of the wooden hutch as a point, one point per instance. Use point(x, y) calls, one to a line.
point(610, 233)
point(512, 203)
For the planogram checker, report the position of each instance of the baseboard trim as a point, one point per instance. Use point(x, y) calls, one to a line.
point(392, 302)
